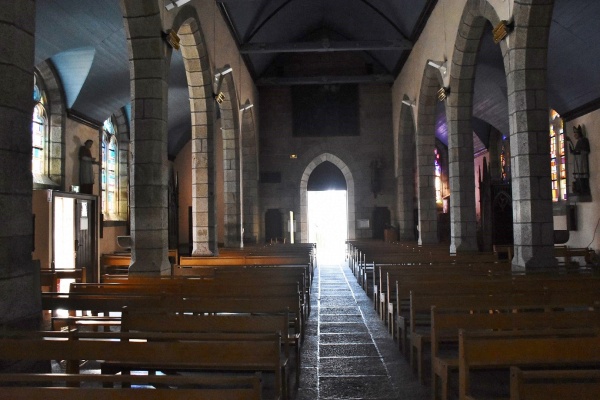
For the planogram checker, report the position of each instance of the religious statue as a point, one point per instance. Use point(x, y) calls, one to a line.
point(86, 171)
point(580, 151)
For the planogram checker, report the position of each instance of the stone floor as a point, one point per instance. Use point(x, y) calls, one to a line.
point(348, 353)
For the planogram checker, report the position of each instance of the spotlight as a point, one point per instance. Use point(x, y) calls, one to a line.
point(246, 106)
point(171, 4)
point(442, 67)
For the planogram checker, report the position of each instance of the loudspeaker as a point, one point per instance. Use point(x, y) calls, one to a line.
point(571, 217)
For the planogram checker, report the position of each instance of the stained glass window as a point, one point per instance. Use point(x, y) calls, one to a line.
point(39, 129)
point(558, 165)
point(437, 163)
point(109, 174)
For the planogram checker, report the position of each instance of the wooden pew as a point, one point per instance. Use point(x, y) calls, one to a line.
point(170, 320)
point(452, 307)
point(113, 264)
point(540, 349)
point(168, 352)
point(113, 387)
point(554, 384)
point(494, 284)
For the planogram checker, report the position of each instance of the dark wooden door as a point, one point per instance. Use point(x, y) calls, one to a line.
point(85, 229)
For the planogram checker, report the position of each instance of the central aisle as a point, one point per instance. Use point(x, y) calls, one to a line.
point(348, 353)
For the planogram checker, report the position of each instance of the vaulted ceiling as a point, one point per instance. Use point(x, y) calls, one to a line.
point(359, 40)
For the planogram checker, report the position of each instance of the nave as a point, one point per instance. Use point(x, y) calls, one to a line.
point(348, 353)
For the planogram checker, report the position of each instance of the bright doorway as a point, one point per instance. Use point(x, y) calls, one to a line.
point(328, 224)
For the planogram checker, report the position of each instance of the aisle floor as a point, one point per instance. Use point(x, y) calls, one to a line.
point(348, 353)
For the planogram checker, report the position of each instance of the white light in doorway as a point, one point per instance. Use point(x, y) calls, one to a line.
point(328, 224)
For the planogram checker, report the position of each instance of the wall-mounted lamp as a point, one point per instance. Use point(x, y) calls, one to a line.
point(171, 4)
point(220, 96)
point(502, 30)
point(172, 39)
point(443, 93)
point(409, 103)
point(246, 106)
point(443, 67)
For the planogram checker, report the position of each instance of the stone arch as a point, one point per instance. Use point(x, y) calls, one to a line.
point(251, 216)
point(459, 112)
point(203, 114)
point(149, 60)
point(56, 136)
point(405, 171)
point(335, 160)
point(528, 120)
point(425, 141)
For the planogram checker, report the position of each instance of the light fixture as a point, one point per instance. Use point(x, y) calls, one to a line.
point(293, 156)
point(220, 96)
point(171, 4)
point(246, 106)
point(443, 93)
point(502, 30)
point(409, 103)
point(173, 39)
point(442, 67)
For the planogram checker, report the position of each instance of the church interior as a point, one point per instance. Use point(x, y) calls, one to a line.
point(300, 199)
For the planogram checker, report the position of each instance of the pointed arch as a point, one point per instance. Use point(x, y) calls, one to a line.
point(335, 160)
point(425, 140)
point(202, 108)
point(459, 114)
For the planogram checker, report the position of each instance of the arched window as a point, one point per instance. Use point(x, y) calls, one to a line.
point(558, 164)
point(109, 180)
point(437, 163)
point(39, 129)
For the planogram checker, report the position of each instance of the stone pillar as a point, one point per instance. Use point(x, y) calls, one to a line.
point(149, 173)
point(428, 233)
point(251, 220)
point(231, 177)
point(526, 62)
point(20, 300)
point(463, 221)
point(405, 183)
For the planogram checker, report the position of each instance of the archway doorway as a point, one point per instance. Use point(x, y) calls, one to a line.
point(328, 212)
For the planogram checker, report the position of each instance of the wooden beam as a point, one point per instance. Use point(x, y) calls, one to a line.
point(324, 80)
point(326, 46)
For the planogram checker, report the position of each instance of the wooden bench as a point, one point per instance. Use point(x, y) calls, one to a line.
point(118, 263)
point(454, 305)
point(113, 387)
point(475, 284)
point(49, 277)
point(143, 351)
point(169, 320)
point(539, 348)
point(554, 384)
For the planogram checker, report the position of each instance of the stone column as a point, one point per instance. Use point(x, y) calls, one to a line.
point(463, 221)
point(20, 300)
point(149, 174)
point(405, 183)
point(526, 63)
point(251, 217)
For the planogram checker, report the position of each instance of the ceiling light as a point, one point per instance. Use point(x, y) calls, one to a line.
point(293, 156)
point(171, 4)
